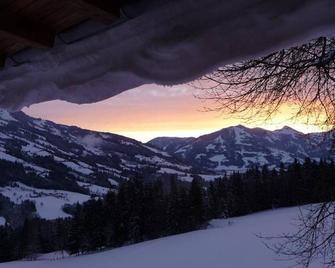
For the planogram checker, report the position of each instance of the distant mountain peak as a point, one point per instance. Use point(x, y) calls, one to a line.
point(238, 127)
point(287, 130)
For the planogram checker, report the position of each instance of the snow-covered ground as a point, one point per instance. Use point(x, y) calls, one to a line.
point(48, 203)
point(226, 243)
point(2, 221)
point(94, 189)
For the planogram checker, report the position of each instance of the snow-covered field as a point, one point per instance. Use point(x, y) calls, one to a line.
point(48, 203)
point(226, 243)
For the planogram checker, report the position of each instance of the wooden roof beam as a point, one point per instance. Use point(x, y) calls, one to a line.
point(106, 11)
point(24, 30)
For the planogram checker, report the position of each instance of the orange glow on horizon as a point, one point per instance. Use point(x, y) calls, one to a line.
point(151, 111)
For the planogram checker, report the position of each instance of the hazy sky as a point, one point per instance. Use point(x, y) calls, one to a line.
point(150, 111)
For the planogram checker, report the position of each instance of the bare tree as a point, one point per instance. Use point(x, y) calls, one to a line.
point(304, 76)
point(313, 240)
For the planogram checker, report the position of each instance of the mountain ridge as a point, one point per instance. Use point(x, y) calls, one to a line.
point(285, 127)
point(238, 148)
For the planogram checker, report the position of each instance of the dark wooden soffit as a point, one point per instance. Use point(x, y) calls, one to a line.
point(35, 23)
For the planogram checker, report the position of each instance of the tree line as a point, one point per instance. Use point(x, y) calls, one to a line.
point(141, 210)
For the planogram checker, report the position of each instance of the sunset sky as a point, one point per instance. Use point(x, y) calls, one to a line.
point(151, 111)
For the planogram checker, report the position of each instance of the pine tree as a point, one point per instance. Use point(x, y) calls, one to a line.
point(30, 243)
point(74, 241)
point(173, 209)
point(196, 203)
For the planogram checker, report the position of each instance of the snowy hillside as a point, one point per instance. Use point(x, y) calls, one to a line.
point(50, 151)
point(226, 243)
point(239, 148)
point(53, 165)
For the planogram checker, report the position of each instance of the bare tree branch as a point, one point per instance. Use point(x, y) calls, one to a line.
point(304, 76)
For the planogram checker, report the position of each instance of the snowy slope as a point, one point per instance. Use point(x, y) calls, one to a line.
point(226, 243)
point(239, 148)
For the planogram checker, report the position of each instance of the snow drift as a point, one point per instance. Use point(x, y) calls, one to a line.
point(168, 45)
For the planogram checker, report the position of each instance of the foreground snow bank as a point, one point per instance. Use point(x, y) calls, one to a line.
point(226, 243)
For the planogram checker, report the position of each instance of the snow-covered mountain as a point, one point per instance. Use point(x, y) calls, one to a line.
point(238, 148)
point(57, 156)
point(53, 165)
point(170, 144)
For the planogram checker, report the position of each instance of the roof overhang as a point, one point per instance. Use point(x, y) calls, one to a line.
point(84, 51)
